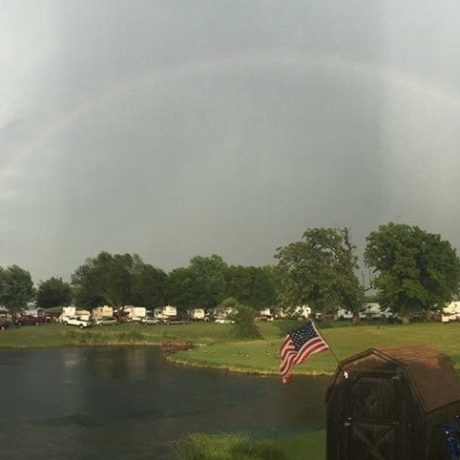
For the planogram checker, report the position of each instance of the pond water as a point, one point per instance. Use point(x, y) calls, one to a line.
point(128, 403)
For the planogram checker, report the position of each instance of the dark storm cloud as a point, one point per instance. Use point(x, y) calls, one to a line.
point(176, 128)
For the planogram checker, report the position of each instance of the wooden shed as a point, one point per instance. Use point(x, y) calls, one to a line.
point(388, 403)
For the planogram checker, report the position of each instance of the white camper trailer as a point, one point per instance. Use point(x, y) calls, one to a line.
point(165, 313)
point(102, 312)
point(265, 315)
point(371, 310)
point(451, 312)
point(132, 313)
point(71, 312)
point(197, 314)
point(302, 311)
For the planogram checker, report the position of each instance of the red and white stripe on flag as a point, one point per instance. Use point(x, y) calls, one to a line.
point(290, 356)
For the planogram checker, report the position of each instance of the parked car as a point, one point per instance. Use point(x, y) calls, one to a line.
point(77, 321)
point(106, 321)
point(223, 321)
point(27, 320)
point(150, 320)
point(264, 318)
point(419, 315)
point(175, 320)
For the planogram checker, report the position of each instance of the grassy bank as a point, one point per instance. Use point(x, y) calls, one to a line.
point(57, 335)
point(240, 447)
point(262, 356)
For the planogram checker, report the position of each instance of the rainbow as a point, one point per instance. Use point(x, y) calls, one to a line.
point(298, 62)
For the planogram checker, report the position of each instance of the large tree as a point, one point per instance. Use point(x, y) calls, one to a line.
point(181, 290)
point(117, 280)
point(319, 271)
point(254, 286)
point(414, 269)
point(202, 283)
point(53, 293)
point(149, 286)
point(16, 287)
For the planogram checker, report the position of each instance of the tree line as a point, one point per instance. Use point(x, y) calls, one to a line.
point(413, 270)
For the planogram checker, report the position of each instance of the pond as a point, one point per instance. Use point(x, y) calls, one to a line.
point(128, 403)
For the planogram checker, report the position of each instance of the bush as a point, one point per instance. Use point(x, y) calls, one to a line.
point(244, 326)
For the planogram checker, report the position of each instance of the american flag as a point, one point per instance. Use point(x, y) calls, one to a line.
point(298, 345)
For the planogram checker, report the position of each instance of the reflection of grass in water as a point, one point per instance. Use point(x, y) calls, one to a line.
point(102, 338)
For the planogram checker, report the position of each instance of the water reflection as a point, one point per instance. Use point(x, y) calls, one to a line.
point(97, 403)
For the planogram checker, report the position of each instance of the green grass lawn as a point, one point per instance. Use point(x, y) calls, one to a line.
point(54, 335)
point(263, 355)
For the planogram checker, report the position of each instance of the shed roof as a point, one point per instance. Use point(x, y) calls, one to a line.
point(430, 372)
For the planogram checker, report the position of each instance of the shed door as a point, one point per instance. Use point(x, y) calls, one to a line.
point(374, 427)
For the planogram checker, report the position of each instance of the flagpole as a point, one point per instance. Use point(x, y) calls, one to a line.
point(329, 346)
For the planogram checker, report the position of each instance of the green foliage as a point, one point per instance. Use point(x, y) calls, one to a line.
point(16, 287)
point(53, 293)
point(229, 302)
point(209, 276)
point(208, 280)
point(287, 325)
point(118, 280)
point(226, 447)
point(251, 285)
point(202, 283)
point(244, 326)
point(181, 288)
point(149, 286)
point(415, 269)
point(319, 271)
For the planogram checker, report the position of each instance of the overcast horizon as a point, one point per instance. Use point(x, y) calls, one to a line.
point(172, 128)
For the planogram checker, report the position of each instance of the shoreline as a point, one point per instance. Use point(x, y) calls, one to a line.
point(243, 370)
point(208, 346)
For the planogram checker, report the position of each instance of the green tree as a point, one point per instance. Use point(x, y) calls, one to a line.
point(149, 286)
point(202, 283)
point(181, 288)
point(252, 285)
point(209, 276)
point(319, 271)
point(53, 293)
point(117, 280)
point(414, 269)
point(16, 287)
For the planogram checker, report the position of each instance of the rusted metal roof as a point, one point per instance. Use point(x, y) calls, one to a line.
point(430, 373)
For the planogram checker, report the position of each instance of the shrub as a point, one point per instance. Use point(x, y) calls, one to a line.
point(244, 326)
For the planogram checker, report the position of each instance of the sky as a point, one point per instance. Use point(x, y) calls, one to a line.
point(174, 128)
